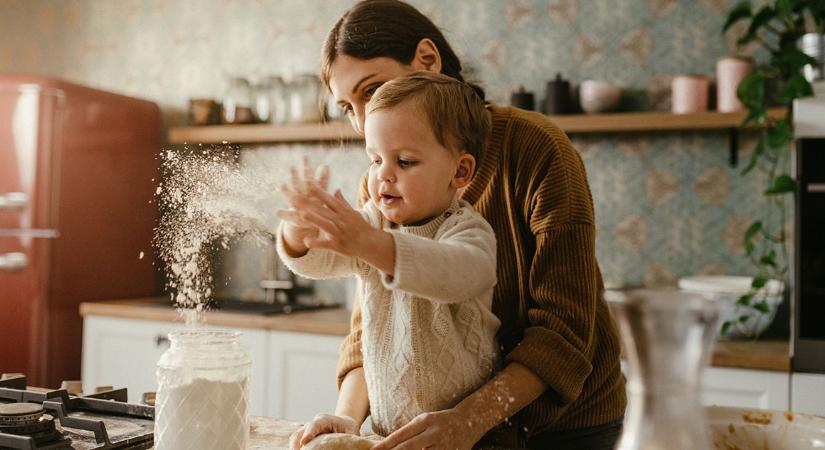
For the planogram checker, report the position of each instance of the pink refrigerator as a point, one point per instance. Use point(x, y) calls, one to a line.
point(78, 170)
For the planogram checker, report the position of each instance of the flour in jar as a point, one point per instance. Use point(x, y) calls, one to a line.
point(203, 415)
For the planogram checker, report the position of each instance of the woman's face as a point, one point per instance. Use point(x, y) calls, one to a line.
point(353, 81)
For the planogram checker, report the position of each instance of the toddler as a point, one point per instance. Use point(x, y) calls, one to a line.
point(426, 259)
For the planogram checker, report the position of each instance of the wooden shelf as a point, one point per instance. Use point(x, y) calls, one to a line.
point(572, 124)
point(654, 121)
point(262, 133)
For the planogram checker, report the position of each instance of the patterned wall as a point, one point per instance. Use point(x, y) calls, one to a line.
point(667, 204)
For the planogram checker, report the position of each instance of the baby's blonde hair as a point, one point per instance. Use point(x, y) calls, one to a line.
point(455, 112)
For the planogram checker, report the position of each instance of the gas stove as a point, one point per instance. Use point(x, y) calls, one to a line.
point(40, 419)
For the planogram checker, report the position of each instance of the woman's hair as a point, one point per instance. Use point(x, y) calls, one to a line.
point(455, 113)
point(386, 28)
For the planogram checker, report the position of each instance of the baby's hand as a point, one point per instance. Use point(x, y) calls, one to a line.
point(296, 230)
point(322, 424)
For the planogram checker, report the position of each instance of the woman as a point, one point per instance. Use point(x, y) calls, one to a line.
point(561, 385)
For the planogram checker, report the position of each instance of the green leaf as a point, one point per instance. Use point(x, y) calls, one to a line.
point(757, 152)
point(781, 185)
point(749, 234)
point(760, 19)
point(745, 300)
point(751, 91)
point(742, 10)
point(769, 259)
point(726, 326)
point(796, 87)
point(753, 229)
point(762, 307)
point(780, 134)
point(784, 8)
point(759, 282)
point(791, 60)
point(743, 318)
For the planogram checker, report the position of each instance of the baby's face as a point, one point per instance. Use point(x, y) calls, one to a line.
point(411, 173)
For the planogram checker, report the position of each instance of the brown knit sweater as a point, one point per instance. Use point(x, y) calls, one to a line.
point(531, 187)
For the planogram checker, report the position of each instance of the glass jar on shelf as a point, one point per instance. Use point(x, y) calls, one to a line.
point(203, 392)
point(262, 100)
point(305, 99)
point(238, 102)
point(278, 100)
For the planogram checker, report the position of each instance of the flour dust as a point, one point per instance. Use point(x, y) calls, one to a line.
point(207, 200)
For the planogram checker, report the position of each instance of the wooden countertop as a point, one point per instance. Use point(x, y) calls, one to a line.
point(266, 433)
point(771, 355)
point(333, 321)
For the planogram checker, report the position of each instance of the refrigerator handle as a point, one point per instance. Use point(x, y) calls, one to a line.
point(13, 262)
point(13, 200)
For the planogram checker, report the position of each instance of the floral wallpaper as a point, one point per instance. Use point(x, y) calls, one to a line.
point(667, 204)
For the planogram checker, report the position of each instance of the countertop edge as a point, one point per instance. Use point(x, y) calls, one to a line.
point(769, 355)
point(333, 321)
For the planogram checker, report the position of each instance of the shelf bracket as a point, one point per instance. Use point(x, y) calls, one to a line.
point(733, 146)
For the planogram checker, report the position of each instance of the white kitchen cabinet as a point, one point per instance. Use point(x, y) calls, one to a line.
point(301, 379)
point(122, 352)
point(746, 388)
point(808, 393)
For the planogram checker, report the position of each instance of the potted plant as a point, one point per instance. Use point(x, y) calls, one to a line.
point(777, 27)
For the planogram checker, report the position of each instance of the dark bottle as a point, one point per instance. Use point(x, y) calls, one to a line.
point(557, 99)
point(523, 99)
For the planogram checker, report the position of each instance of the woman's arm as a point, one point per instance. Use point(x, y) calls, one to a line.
point(353, 401)
point(462, 426)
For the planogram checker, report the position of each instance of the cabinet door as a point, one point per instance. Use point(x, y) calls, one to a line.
point(746, 388)
point(302, 374)
point(808, 393)
point(124, 353)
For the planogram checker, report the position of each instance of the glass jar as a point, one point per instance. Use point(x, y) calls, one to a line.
point(203, 392)
point(263, 100)
point(667, 337)
point(278, 100)
point(237, 102)
point(305, 102)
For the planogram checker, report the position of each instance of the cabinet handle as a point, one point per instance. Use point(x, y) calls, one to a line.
point(13, 262)
point(815, 188)
point(161, 340)
point(13, 200)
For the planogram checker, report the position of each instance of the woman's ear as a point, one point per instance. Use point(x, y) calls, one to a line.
point(427, 56)
point(464, 171)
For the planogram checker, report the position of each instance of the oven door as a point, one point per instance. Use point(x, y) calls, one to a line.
point(809, 314)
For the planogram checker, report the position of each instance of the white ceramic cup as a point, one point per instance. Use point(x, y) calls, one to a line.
point(598, 96)
point(690, 94)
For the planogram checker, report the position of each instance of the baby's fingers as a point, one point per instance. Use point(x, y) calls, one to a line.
point(322, 174)
point(289, 215)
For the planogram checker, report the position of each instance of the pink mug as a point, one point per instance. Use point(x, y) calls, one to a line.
point(689, 94)
point(729, 73)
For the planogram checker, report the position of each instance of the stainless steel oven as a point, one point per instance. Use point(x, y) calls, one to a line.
point(808, 323)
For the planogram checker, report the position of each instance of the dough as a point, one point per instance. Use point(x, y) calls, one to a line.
point(339, 441)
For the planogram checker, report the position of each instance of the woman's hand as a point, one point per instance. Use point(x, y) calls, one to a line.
point(322, 424)
point(448, 429)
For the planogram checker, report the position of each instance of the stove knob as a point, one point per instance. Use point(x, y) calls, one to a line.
point(12, 262)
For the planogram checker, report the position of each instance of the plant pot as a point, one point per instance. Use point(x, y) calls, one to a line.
point(746, 321)
point(813, 45)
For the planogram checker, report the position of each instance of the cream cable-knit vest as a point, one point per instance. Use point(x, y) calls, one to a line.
point(428, 330)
